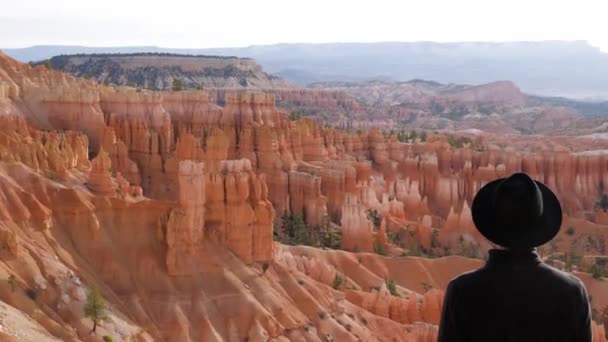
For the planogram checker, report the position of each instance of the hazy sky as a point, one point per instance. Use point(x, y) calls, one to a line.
point(223, 23)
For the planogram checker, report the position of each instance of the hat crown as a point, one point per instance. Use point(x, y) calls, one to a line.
point(517, 212)
point(517, 200)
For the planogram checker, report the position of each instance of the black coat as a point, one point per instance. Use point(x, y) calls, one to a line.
point(515, 297)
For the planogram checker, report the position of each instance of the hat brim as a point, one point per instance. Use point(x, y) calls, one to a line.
point(537, 233)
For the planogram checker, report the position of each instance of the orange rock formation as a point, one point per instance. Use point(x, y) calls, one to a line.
point(173, 218)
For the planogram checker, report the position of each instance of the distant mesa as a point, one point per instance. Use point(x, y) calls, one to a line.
point(166, 71)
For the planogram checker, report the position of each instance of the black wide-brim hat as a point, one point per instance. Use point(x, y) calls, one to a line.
point(517, 212)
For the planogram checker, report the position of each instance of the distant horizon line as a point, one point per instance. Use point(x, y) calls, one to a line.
point(306, 43)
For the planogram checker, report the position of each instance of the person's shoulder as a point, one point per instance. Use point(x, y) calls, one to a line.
point(567, 280)
point(467, 278)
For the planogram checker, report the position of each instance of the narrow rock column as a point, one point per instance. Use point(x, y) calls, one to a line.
point(185, 228)
point(356, 228)
point(100, 178)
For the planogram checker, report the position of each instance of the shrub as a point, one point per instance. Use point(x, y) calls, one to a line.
point(470, 250)
point(177, 85)
point(435, 239)
point(402, 136)
point(379, 249)
point(458, 142)
point(338, 281)
point(423, 136)
point(293, 116)
point(297, 232)
point(413, 136)
point(392, 287)
point(296, 229)
point(107, 339)
point(570, 231)
point(603, 202)
point(52, 175)
point(374, 216)
point(395, 238)
point(331, 239)
point(571, 259)
point(413, 251)
point(265, 267)
point(31, 293)
point(596, 271)
point(568, 264)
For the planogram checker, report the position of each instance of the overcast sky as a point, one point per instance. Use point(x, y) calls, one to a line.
point(225, 23)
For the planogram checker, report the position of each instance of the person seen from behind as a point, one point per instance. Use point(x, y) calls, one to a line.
point(516, 297)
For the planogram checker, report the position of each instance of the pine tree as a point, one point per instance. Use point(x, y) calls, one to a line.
point(435, 239)
point(426, 286)
point(567, 262)
point(178, 84)
point(423, 136)
point(95, 308)
point(338, 281)
point(11, 282)
point(413, 136)
point(392, 287)
point(604, 316)
point(374, 216)
point(596, 271)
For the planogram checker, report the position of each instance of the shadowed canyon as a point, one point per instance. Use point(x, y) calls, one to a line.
point(258, 210)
